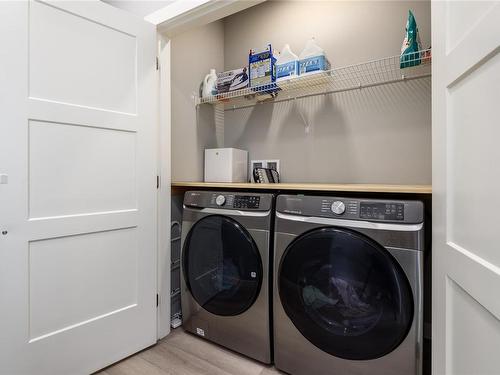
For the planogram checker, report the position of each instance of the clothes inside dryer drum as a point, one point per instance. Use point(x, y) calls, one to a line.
point(345, 293)
point(221, 265)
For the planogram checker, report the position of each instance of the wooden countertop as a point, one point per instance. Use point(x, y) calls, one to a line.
point(364, 188)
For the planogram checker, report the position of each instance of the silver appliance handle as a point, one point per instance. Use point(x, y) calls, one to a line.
point(352, 223)
point(223, 211)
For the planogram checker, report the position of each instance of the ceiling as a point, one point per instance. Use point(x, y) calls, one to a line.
point(140, 8)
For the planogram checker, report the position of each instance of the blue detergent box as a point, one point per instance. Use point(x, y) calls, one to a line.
point(262, 67)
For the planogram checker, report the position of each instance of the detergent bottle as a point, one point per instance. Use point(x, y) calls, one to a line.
point(313, 59)
point(287, 64)
point(410, 50)
point(209, 84)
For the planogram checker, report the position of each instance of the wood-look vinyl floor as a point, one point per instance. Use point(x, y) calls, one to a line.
point(181, 353)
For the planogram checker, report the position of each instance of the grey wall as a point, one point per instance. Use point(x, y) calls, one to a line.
point(375, 135)
point(193, 54)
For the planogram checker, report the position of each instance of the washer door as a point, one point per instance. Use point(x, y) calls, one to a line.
point(345, 293)
point(222, 266)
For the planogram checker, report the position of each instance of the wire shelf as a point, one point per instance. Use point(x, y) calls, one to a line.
point(372, 73)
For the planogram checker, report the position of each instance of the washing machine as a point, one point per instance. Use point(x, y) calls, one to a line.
point(225, 290)
point(348, 286)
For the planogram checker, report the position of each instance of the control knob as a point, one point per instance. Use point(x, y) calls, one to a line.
point(338, 207)
point(220, 200)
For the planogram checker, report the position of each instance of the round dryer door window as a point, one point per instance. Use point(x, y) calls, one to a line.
point(345, 293)
point(222, 265)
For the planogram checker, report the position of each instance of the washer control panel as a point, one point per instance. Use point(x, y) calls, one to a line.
point(229, 200)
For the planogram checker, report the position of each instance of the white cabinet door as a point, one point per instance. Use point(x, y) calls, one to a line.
point(78, 98)
point(466, 181)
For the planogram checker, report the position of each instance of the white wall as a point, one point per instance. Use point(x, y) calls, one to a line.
point(376, 135)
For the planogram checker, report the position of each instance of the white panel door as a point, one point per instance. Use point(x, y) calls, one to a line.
point(466, 180)
point(78, 155)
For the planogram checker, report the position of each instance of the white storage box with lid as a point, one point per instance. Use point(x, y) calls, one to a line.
point(226, 165)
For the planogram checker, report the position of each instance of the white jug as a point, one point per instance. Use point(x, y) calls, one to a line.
point(209, 84)
point(313, 59)
point(287, 64)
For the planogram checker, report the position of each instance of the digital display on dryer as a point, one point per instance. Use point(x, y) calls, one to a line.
point(382, 211)
point(246, 201)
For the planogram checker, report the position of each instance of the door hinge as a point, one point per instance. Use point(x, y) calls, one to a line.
point(157, 300)
point(157, 63)
point(157, 182)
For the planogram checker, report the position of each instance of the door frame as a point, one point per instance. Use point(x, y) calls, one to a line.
point(164, 187)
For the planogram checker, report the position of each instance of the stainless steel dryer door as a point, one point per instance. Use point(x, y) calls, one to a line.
point(345, 293)
point(222, 266)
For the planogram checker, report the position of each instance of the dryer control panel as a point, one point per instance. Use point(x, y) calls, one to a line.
point(392, 211)
point(352, 208)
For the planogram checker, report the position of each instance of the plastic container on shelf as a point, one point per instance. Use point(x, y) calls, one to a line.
point(313, 59)
point(209, 87)
point(287, 64)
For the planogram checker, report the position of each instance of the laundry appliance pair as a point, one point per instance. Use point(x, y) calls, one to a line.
point(316, 284)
